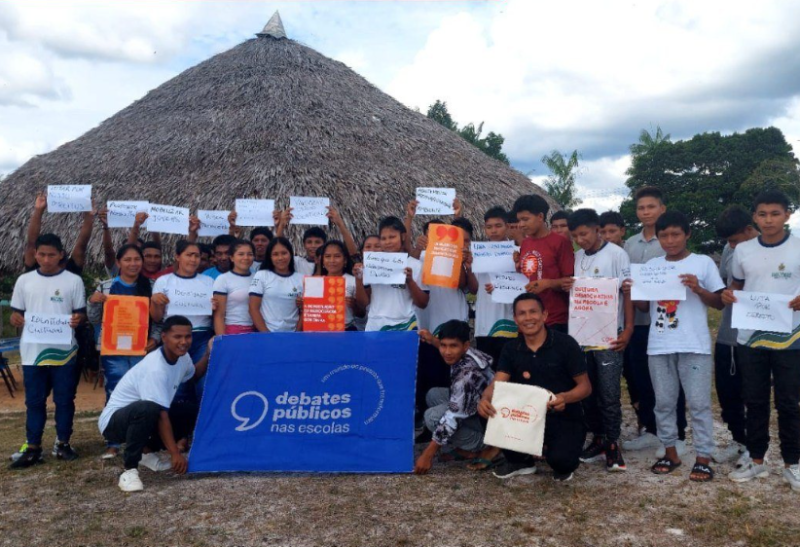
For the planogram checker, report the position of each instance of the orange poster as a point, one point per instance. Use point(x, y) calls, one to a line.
point(323, 304)
point(125, 325)
point(443, 256)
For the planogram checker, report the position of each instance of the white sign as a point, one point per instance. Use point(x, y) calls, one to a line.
point(43, 328)
point(493, 256)
point(190, 301)
point(213, 223)
point(385, 268)
point(69, 198)
point(508, 286)
point(255, 212)
point(435, 201)
point(652, 283)
point(312, 211)
point(762, 311)
point(122, 214)
point(166, 219)
point(519, 421)
point(594, 310)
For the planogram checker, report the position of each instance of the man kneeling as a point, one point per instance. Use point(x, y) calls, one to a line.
point(452, 413)
point(140, 412)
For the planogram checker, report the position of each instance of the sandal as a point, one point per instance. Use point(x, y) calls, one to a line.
point(665, 463)
point(702, 469)
point(485, 464)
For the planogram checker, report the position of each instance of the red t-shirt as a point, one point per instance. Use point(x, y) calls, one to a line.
point(549, 257)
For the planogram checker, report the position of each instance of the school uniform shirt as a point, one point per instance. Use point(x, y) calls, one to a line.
point(770, 269)
point(640, 251)
point(236, 289)
point(444, 305)
point(549, 257)
point(168, 283)
point(726, 334)
point(608, 261)
point(303, 266)
point(391, 306)
point(492, 319)
point(278, 295)
point(681, 326)
point(57, 294)
point(152, 379)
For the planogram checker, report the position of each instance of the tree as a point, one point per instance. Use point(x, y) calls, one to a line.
point(560, 184)
point(491, 144)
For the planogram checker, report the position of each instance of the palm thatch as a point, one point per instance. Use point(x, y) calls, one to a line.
point(268, 118)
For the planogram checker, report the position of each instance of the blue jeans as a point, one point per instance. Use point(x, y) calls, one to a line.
point(114, 368)
point(39, 382)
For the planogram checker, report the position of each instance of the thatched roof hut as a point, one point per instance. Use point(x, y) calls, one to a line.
point(269, 118)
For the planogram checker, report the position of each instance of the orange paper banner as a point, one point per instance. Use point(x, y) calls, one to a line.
point(323, 304)
point(443, 256)
point(125, 325)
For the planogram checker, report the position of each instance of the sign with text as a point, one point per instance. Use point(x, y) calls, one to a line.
point(213, 223)
point(194, 301)
point(384, 268)
point(594, 311)
point(762, 311)
point(493, 256)
point(652, 283)
point(521, 413)
point(125, 325)
point(323, 304)
point(255, 212)
point(313, 211)
point(435, 201)
point(443, 256)
point(167, 219)
point(69, 198)
point(122, 214)
point(41, 328)
point(508, 286)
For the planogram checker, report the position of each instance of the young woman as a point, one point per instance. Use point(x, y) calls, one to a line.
point(335, 261)
point(275, 289)
point(232, 292)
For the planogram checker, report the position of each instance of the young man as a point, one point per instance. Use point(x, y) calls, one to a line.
point(679, 347)
point(452, 414)
point(552, 360)
point(206, 258)
point(76, 260)
point(735, 225)
point(221, 257)
point(153, 261)
point(770, 264)
point(559, 224)
point(598, 258)
point(612, 228)
point(260, 238)
point(545, 258)
point(49, 290)
point(140, 412)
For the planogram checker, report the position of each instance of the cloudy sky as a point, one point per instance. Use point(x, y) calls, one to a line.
point(551, 74)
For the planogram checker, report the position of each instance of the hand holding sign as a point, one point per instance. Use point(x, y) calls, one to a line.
point(255, 212)
point(443, 256)
point(122, 214)
point(384, 268)
point(40, 328)
point(166, 219)
point(507, 286)
point(435, 201)
point(213, 223)
point(762, 311)
point(69, 198)
point(195, 301)
point(652, 283)
point(593, 311)
point(324, 304)
point(309, 211)
point(493, 256)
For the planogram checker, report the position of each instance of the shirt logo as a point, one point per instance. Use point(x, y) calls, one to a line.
point(57, 297)
point(531, 265)
point(781, 274)
point(666, 315)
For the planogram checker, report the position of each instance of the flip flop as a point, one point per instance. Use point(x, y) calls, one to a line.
point(665, 463)
point(487, 464)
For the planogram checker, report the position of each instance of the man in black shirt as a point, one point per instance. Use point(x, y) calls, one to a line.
point(554, 361)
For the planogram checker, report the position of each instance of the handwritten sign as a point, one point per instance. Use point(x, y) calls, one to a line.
point(443, 256)
point(312, 211)
point(762, 311)
point(166, 219)
point(125, 325)
point(435, 201)
point(255, 212)
point(651, 283)
point(493, 256)
point(195, 301)
point(594, 311)
point(69, 198)
point(507, 286)
point(385, 268)
point(122, 214)
point(323, 304)
point(213, 223)
point(43, 328)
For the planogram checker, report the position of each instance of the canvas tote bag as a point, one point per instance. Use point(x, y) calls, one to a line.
point(518, 424)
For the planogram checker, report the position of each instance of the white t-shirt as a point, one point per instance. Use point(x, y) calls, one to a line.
point(491, 318)
point(59, 294)
point(168, 283)
point(391, 306)
point(771, 269)
point(608, 261)
point(151, 379)
point(303, 266)
point(278, 299)
point(236, 288)
point(349, 292)
point(681, 326)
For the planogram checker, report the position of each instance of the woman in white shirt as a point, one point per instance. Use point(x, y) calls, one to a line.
point(274, 290)
point(232, 292)
point(336, 262)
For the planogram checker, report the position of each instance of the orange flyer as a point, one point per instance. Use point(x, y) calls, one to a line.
point(443, 256)
point(125, 325)
point(323, 304)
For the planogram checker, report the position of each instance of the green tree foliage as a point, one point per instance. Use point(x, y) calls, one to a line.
point(560, 183)
point(491, 144)
point(705, 174)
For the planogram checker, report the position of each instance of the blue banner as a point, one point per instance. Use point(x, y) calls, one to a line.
point(319, 402)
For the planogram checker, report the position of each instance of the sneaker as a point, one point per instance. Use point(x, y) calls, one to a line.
point(791, 475)
point(129, 481)
point(749, 472)
point(614, 460)
point(18, 454)
point(642, 442)
point(30, 457)
point(680, 446)
point(744, 459)
point(508, 470)
point(562, 477)
point(595, 452)
point(156, 462)
point(63, 451)
point(732, 452)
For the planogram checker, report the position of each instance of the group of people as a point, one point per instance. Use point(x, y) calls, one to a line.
point(663, 349)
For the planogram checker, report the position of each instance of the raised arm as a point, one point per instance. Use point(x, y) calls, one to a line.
point(34, 229)
point(139, 219)
point(109, 255)
point(347, 237)
point(82, 243)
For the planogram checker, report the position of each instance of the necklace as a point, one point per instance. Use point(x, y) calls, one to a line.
point(585, 267)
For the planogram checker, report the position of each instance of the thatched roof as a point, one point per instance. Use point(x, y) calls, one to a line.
point(269, 118)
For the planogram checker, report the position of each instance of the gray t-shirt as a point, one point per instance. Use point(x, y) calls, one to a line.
point(727, 334)
point(641, 250)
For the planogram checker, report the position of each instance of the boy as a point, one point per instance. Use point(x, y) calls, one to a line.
point(260, 238)
point(603, 409)
point(560, 225)
point(315, 237)
point(770, 264)
point(545, 258)
point(52, 290)
point(73, 263)
point(612, 228)
point(452, 414)
point(679, 347)
point(221, 256)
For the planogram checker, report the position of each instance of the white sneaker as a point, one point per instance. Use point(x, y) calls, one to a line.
point(156, 462)
point(642, 442)
point(680, 446)
point(129, 481)
point(732, 452)
point(791, 475)
point(749, 472)
point(744, 459)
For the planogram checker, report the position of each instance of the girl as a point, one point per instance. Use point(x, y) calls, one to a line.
point(231, 291)
point(336, 261)
point(275, 288)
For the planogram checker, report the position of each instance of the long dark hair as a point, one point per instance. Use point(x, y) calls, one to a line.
point(348, 260)
point(143, 286)
point(267, 264)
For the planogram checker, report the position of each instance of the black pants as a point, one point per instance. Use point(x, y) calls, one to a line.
point(492, 346)
point(728, 376)
point(563, 441)
point(136, 425)
point(759, 368)
point(432, 372)
point(627, 373)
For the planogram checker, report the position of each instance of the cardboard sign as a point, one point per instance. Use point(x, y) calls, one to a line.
point(69, 198)
point(42, 328)
point(255, 212)
point(443, 256)
point(594, 311)
point(125, 325)
point(213, 223)
point(190, 301)
point(166, 219)
point(323, 304)
point(508, 286)
point(653, 283)
point(122, 214)
point(519, 422)
point(309, 211)
point(493, 256)
point(384, 268)
point(435, 201)
point(762, 311)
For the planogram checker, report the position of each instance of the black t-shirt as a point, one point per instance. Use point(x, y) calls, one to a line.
point(553, 367)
